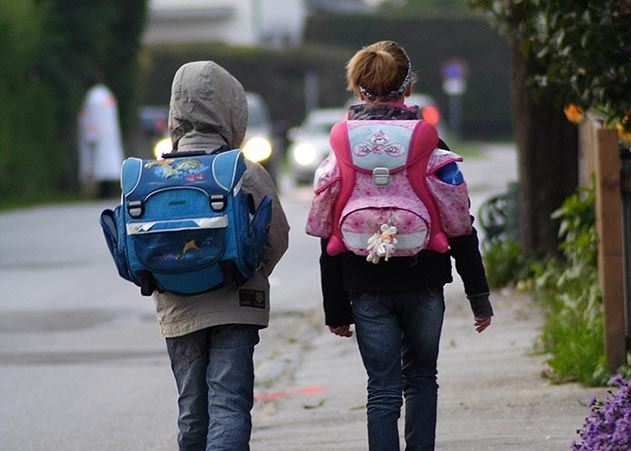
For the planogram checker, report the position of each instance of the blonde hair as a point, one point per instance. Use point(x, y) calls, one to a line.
point(379, 71)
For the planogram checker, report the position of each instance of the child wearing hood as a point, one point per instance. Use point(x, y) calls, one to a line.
point(210, 337)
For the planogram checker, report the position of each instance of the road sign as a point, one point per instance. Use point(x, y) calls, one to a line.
point(454, 73)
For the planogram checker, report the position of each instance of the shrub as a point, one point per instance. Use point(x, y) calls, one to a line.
point(505, 263)
point(608, 427)
point(29, 149)
point(571, 298)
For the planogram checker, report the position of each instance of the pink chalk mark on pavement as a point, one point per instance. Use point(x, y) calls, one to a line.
point(274, 395)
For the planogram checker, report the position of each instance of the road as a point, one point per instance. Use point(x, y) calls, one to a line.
point(83, 366)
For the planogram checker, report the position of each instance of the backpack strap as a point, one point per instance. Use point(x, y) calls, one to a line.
point(340, 144)
point(424, 141)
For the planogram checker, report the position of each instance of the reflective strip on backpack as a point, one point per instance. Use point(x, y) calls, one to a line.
point(215, 222)
point(404, 241)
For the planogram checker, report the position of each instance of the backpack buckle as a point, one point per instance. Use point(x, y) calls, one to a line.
point(381, 176)
point(218, 202)
point(135, 208)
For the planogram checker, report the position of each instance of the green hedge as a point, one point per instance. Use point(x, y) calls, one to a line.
point(30, 153)
point(52, 52)
point(278, 75)
point(429, 42)
point(331, 39)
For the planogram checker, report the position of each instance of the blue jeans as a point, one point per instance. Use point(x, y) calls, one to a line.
point(398, 334)
point(214, 373)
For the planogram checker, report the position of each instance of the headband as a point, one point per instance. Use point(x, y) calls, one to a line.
point(397, 92)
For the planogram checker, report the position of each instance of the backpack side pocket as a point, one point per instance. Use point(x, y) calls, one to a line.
point(261, 223)
point(111, 223)
point(453, 206)
point(326, 190)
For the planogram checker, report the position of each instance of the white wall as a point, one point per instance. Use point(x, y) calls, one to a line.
point(242, 22)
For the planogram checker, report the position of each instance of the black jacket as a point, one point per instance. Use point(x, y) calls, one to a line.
point(348, 272)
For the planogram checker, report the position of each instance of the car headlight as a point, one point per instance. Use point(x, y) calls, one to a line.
point(305, 154)
point(257, 149)
point(162, 146)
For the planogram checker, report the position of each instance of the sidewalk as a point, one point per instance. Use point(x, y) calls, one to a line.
point(491, 396)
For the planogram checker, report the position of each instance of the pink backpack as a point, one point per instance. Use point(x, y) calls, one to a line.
point(378, 195)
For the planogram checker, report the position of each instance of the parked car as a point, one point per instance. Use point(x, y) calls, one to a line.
point(257, 144)
point(310, 142)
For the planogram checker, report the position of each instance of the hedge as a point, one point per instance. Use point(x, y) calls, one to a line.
point(331, 39)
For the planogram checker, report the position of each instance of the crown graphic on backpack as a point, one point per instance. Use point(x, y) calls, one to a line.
point(185, 224)
point(378, 194)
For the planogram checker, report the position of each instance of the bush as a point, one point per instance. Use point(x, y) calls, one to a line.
point(505, 263)
point(30, 151)
point(278, 75)
point(570, 295)
point(430, 40)
point(608, 427)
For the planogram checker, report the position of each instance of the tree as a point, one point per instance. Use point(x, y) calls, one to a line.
point(588, 46)
point(547, 143)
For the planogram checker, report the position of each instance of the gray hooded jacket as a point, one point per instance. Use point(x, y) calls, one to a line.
point(208, 110)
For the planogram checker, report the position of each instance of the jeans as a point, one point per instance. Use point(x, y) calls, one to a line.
point(398, 334)
point(214, 373)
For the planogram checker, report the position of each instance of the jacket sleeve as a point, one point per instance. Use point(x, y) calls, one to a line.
point(466, 252)
point(260, 184)
point(337, 306)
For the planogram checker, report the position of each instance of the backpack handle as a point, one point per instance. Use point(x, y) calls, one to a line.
point(184, 153)
point(194, 153)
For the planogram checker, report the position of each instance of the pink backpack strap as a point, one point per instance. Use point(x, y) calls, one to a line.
point(424, 141)
point(341, 147)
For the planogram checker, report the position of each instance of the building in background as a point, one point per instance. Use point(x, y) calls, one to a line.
point(272, 23)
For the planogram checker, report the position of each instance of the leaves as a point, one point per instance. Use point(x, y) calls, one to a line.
point(571, 39)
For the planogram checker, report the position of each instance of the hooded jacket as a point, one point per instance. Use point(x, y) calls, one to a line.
point(208, 110)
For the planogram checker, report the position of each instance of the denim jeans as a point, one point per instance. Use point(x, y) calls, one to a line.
point(398, 334)
point(214, 373)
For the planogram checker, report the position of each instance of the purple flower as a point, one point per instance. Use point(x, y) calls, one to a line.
point(608, 426)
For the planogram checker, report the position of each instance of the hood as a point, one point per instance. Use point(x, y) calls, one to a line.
point(208, 108)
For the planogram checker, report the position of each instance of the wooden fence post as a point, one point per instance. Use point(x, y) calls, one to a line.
point(610, 261)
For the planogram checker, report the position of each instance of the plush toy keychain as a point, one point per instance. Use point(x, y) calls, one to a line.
point(382, 244)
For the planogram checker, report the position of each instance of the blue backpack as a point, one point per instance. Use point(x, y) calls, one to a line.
point(184, 224)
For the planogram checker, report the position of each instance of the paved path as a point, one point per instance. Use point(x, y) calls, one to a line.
point(491, 396)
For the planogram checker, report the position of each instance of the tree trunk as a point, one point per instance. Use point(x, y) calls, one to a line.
point(547, 145)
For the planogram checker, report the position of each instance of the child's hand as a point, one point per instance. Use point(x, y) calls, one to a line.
point(482, 323)
point(342, 331)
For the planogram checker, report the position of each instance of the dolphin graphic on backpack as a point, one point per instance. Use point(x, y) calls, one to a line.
point(379, 193)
